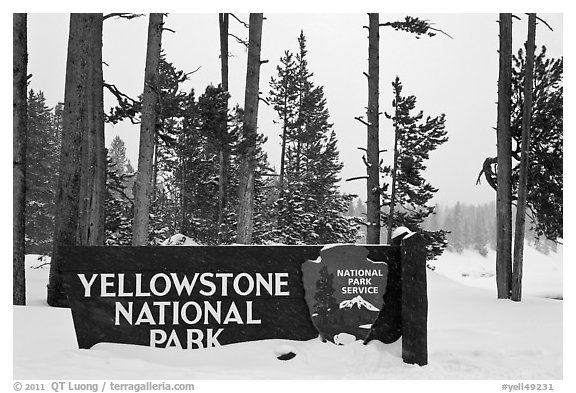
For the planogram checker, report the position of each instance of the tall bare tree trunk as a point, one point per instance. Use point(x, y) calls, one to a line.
point(184, 222)
point(223, 25)
point(83, 77)
point(143, 183)
point(372, 142)
point(394, 170)
point(93, 164)
point(248, 150)
point(525, 153)
point(282, 171)
point(155, 167)
point(283, 155)
point(20, 117)
point(504, 141)
point(224, 153)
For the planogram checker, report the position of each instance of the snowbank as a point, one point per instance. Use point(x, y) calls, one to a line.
point(541, 275)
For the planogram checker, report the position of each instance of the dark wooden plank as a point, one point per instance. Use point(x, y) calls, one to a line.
point(281, 316)
point(388, 326)
point(414, 301)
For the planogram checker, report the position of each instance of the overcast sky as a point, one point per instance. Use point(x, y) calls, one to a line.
point(456, 76)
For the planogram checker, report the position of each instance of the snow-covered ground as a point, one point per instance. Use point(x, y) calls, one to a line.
point(542, 274)
point(472, 335)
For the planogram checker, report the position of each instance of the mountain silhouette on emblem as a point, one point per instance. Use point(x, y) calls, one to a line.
point(358, 301)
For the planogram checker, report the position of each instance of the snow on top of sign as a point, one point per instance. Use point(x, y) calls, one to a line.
point(409, 235)
point(401, 231)
point(179, 240)
point(329, 246)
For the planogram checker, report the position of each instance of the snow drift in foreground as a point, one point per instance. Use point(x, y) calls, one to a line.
point(472, 335)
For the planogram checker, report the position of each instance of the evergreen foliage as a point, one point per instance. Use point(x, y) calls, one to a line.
point(119, 199)
point(117, 154)
point(42, 162)
point(309, 208)
point(190, 133)
point(416, 26)
point(284, 96)
point(175, 136)
point(545, 173)
point(263, 186)
point(415, 137)
point(119, 202)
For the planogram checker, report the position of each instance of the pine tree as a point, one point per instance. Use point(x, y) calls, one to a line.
point(545, 177)
point(175, 134)
point(310, 209)
point(117, 154)
point(371, 159)
point(42, 159)
point(119, 204)
point(324, 295)
point(283, 97)
point(330, 224)
point(264, 219)
point(191, 135)
point(415, 138)
point(213, 124)
point(196, 167)
point(119, 198)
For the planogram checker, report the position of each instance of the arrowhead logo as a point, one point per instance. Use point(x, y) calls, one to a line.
point(344, 291)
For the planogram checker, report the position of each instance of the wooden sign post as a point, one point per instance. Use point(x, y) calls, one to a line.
point(204, 296)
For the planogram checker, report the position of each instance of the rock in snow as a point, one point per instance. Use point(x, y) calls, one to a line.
point(285, 352)
point(344, 338)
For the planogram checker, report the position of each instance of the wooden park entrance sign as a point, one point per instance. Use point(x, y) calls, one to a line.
point(204, 296)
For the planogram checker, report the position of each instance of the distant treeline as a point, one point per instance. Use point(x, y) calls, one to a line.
point(470, 226)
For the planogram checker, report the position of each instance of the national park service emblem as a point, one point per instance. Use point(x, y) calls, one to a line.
point(344, 291)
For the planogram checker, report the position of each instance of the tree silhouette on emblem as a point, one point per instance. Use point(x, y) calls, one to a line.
point(325, 301)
